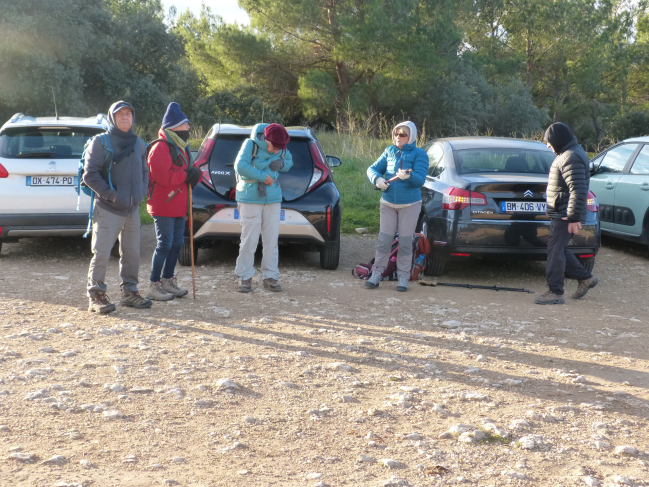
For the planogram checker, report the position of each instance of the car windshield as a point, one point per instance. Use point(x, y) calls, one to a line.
point(49, 142)
point(471, 161)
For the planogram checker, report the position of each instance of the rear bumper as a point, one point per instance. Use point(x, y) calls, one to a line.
point(43, 225)
point(511, 240)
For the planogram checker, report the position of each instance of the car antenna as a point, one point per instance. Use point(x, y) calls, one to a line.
point(56, 114)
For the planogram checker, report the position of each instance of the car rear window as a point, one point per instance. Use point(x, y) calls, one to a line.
point(294, 183)
point(471, 161)
point(49, 142)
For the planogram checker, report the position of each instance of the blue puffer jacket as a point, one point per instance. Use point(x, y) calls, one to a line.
point(401, 191)
point(251, 172)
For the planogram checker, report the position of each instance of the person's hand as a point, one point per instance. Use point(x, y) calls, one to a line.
point(194, 175)
point(269, 181)
point(381, 184)
point(401, 174)
point(276, 165)
point(574, 227)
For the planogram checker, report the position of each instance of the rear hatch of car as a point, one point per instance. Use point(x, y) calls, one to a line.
point(41, 165)
point(294, 183)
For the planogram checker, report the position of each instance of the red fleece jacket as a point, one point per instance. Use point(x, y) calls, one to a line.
point(167, 182)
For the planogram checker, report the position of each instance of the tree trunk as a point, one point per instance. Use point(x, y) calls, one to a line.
point(530, 62)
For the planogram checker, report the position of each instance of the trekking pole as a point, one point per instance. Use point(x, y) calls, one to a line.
point(191, 239)
point(475, 286)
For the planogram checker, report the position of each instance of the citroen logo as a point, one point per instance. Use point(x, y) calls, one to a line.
point(528, 194)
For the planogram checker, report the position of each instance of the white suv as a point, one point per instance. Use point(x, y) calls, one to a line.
point(39, 162)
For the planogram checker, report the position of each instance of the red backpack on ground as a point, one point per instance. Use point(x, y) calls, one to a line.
point(420, 251)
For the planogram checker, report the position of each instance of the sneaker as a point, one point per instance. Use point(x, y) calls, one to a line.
point(158, 293)
point(584, 286)
point(550, 298)
point(134, 300)
point(245, 285)
point(99, 303)
point(171, 286)
point(374, 279)
point(402, 286)
point(272, 285)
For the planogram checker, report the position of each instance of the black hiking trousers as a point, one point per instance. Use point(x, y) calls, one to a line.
point(561, 261)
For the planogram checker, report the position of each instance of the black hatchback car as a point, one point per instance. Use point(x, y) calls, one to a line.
point(484, 197)
point(311, 206)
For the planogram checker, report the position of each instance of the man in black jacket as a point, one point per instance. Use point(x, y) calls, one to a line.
point(567, 197)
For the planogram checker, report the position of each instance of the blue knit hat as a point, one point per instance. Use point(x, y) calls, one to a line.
point(174, 116)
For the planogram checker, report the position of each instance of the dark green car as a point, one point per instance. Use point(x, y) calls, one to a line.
point(620, 181)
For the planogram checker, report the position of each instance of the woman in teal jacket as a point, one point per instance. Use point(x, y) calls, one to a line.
point(261, 158)
point(401, 202)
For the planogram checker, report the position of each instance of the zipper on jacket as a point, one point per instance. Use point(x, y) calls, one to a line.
point(152, 186)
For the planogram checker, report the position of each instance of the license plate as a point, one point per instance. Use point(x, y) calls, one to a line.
point(282, 215)
point(522, 206)
point(51, 180)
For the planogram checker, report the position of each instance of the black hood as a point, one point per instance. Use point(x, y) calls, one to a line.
point(558, 135)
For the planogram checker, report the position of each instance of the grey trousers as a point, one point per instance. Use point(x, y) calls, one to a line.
point(258, 219)
point(106, 228)
point(402, 221)
point(561, 261)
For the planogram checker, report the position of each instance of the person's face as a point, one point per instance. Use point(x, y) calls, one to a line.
point(400, 138)
point(271, 148)
point(124, 119)
point(184, 126)
point(550, 147)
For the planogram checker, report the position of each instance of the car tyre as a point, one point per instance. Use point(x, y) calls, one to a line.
point(185, 256)
point(434, 266)
point(330, 255)
point(588, 265)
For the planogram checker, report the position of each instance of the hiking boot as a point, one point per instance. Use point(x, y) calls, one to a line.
point(584, 286)
point(245, 285)
point(374, 279)
point(133, 299)
point(157, 292)
point(550, 298)
point(272, 285)
point(99, 303)
point(171, 286)
point(402, 285)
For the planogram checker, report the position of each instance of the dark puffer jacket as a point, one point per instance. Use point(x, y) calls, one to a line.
point(567, 193)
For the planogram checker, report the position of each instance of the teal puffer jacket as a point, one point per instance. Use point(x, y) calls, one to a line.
point(401, 191)
point(250, 173)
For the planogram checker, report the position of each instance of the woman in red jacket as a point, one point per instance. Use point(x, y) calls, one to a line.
point(170, 172)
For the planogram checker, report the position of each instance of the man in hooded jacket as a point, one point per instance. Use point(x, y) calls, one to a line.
point(116, 211)
point(567, 199)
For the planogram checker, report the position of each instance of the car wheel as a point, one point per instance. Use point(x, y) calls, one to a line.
point(434, 266)
point(185, 256)
point(588, 265)
point(330, 255)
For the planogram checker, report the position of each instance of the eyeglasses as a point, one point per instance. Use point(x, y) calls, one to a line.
point(400, 134)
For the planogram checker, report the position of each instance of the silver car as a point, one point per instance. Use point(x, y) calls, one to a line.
point(39, 161)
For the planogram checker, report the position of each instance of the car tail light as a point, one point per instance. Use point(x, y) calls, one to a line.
point(320, 171)
point(3, 172)
point(460, 255)
point(202, 161)
point(458, 199)
point(586, 256)
point(592, 203)
point(329, 219)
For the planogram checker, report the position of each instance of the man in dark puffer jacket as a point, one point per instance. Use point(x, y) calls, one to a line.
point(567, 196)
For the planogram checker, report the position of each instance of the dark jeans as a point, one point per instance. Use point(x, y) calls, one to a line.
point(561, 261)
point(170, 234)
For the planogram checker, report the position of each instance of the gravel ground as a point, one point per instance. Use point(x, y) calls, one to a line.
point(326, 383)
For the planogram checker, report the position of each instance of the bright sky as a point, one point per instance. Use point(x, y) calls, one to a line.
point(228, 9)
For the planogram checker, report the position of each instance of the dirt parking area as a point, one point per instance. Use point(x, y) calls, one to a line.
point(326, 383)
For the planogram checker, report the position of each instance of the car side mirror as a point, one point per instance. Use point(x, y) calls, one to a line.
point(593, 168)
point(333, 161)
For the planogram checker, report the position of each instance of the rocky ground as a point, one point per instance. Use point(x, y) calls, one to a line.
point(326, 383)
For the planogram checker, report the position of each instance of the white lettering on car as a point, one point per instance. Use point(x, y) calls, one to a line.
point(221, 173)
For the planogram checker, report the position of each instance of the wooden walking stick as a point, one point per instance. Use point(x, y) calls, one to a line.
point(191, 239)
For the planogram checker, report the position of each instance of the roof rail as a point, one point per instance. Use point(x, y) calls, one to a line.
point(16, 117)
point(101, 117)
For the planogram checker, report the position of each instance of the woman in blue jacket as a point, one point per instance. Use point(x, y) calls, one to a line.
point(259, 198)
point(401, 201)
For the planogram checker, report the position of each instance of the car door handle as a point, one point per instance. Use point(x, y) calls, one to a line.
point(609, 186)
point(644, 186)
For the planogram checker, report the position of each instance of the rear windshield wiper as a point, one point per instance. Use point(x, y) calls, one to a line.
point(36, 154)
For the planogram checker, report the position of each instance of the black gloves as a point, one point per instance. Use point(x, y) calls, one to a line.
point(276, 165)
point(194, 175)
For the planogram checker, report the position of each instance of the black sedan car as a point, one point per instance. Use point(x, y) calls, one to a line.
point(311, 207)
point(484, 197)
